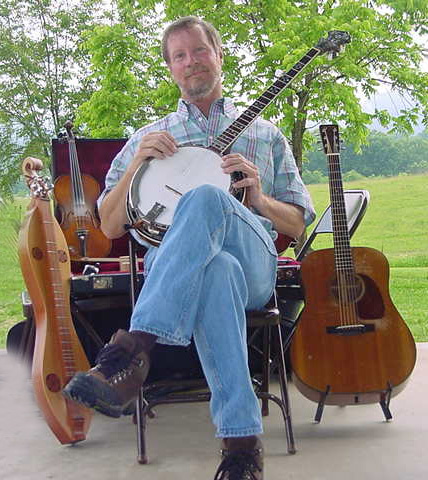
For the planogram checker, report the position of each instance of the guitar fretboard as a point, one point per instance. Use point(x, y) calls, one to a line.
point(341, 240)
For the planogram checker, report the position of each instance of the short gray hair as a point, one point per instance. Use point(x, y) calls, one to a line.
point(185, 23)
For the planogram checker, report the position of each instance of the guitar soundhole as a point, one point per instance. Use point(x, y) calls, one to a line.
point(347, 289)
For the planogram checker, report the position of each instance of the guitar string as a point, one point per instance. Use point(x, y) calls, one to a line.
point(343, 255)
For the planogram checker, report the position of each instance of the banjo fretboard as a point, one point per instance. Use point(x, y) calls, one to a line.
point(230, 135)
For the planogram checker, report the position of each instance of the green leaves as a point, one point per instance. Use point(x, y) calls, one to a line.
point(104, 67)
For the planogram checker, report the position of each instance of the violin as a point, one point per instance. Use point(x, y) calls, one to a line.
point(58, 354)
point(76, 197)
point(351, 345)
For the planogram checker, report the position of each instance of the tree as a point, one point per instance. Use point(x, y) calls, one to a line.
point(10, 152)
point(261, 37)
point(384, 154)
point(42, 70)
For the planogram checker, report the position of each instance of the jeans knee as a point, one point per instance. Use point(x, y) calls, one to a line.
point(205, 197)
point(207, 192)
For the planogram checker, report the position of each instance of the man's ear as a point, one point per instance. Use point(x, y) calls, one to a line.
point(221, 55)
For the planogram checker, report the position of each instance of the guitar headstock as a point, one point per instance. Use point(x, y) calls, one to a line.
point(330, 139)
point(334, 43)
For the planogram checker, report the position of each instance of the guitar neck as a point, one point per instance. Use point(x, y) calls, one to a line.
point(223, 142)
point(341, 239)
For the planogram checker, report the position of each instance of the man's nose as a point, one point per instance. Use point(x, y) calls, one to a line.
point(191, 58)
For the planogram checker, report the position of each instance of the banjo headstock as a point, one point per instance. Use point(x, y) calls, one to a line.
point(334, 43)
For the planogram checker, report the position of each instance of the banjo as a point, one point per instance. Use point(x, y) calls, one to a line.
point(158, 185)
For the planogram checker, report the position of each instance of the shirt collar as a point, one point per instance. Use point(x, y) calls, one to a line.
point(222, 106)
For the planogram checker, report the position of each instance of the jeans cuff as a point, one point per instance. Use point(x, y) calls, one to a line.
point(165, 338)
point(239, 432)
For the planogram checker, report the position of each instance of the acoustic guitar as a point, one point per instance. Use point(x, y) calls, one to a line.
point(351, 345)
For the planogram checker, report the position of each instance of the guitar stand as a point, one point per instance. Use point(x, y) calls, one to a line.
point(385, 398)
point(321, 404)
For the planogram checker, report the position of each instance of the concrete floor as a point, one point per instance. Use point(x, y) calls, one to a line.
point(350, 443)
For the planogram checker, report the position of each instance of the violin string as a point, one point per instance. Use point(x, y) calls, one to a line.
point(77, 187)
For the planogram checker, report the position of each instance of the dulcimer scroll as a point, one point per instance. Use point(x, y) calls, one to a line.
point(58, 354)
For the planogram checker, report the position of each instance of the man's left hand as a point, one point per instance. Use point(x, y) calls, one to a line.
point(235, 162)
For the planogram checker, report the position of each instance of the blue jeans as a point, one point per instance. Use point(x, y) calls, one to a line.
point(215, 261)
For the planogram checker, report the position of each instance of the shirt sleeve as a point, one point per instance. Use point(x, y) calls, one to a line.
point(288, 185)
point(118, 167)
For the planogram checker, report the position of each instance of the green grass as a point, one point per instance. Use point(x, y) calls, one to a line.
point(11, 282)
point(396, 223)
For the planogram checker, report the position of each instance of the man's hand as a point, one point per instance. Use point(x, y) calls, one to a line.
point(235, 162)
point(286, 217)
point(154, 145)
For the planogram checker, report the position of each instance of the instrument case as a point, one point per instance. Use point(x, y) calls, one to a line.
point(100, 291)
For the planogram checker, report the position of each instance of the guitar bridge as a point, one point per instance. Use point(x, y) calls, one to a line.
point(347, 330)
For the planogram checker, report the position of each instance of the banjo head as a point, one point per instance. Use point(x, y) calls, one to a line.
point(158, 185)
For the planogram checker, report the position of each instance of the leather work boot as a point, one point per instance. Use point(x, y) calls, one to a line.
point(242, 459)
point(113, 384)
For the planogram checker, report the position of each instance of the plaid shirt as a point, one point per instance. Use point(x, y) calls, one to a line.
point(262, 143)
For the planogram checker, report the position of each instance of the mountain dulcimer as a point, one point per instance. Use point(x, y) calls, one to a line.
point(58, 354)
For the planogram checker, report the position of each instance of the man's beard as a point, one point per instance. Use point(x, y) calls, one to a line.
point(204, 89)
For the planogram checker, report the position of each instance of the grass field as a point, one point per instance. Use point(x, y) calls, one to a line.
point(396, 223)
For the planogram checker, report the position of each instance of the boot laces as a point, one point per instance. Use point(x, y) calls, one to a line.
point(112, 360)
point(239, 465)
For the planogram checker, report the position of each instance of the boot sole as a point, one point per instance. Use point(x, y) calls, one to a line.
point(93, 393)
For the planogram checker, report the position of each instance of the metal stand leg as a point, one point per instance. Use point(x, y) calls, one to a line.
point(284, 394)
point(139, 407)
point(385, 398)
point(266, 368)
point(321, 404)
point(141, 429)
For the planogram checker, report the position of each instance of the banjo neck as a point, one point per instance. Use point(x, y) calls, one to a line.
point(224, 141)
point(157, 186)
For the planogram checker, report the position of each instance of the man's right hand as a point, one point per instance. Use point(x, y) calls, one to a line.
point(154, 145)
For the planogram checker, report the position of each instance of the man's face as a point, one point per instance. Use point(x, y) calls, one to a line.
point(194, 64)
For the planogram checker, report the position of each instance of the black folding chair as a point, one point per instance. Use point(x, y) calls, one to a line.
point(269, 321)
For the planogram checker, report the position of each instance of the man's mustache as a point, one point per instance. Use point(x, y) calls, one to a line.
point(196, 70)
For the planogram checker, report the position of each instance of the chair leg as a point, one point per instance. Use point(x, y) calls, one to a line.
point(266, 368)
point(141, 428)
point(286, 410)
